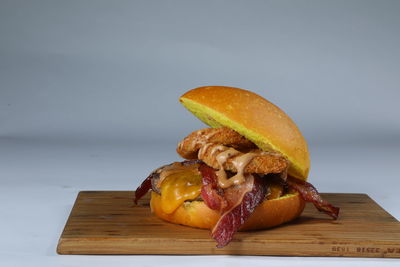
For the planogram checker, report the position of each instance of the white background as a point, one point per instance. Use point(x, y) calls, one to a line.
point(89, 101)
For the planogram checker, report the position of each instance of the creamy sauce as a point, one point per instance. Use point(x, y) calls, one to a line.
point(217, 148)
point(204, 149)
point(221, 174)
point(240, 164)
point(208, 136)
point(198, 141)
point(201, 142)
point(224, 154)
point(201, 139)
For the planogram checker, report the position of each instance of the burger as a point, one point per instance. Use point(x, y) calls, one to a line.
point(247, 171)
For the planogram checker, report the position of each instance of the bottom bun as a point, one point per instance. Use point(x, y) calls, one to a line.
point(268, 214)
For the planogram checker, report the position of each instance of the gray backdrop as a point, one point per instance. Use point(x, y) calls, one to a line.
point(115, 69)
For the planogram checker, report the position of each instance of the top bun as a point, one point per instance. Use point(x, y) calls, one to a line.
point(254, 117)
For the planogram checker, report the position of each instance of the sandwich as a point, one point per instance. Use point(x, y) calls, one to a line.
point(247, 171)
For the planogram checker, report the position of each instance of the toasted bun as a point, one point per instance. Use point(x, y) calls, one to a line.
point(268, 214)
point(254, 117)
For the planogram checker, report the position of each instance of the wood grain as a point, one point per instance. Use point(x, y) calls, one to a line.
point(107, 222)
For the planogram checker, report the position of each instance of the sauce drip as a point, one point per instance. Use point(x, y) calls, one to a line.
point(225, 153)
point(199, 140)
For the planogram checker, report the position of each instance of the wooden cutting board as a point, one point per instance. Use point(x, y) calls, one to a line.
point(107, 222)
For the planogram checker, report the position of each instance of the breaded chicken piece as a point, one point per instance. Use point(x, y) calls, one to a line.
point(190, 145)
point(258, 161)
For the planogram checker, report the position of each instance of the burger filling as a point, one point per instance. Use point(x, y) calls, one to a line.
point(231, 176)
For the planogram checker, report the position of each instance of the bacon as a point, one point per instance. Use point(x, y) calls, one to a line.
point(310, 194)
point(211, 194)
point(235, 203)
point(231, 221)
point(144, 187)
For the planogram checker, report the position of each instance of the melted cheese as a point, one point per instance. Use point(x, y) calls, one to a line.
point(178, 187)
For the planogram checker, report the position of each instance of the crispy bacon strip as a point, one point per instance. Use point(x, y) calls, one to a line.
point(144, 187)
point(310, 194)
point(211, 194)
point(236, 203)
point(231, 221)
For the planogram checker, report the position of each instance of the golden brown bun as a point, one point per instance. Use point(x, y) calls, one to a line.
point(254, 117)
point(268, 214)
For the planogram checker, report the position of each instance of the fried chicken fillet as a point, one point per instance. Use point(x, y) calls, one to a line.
point(206, 144)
